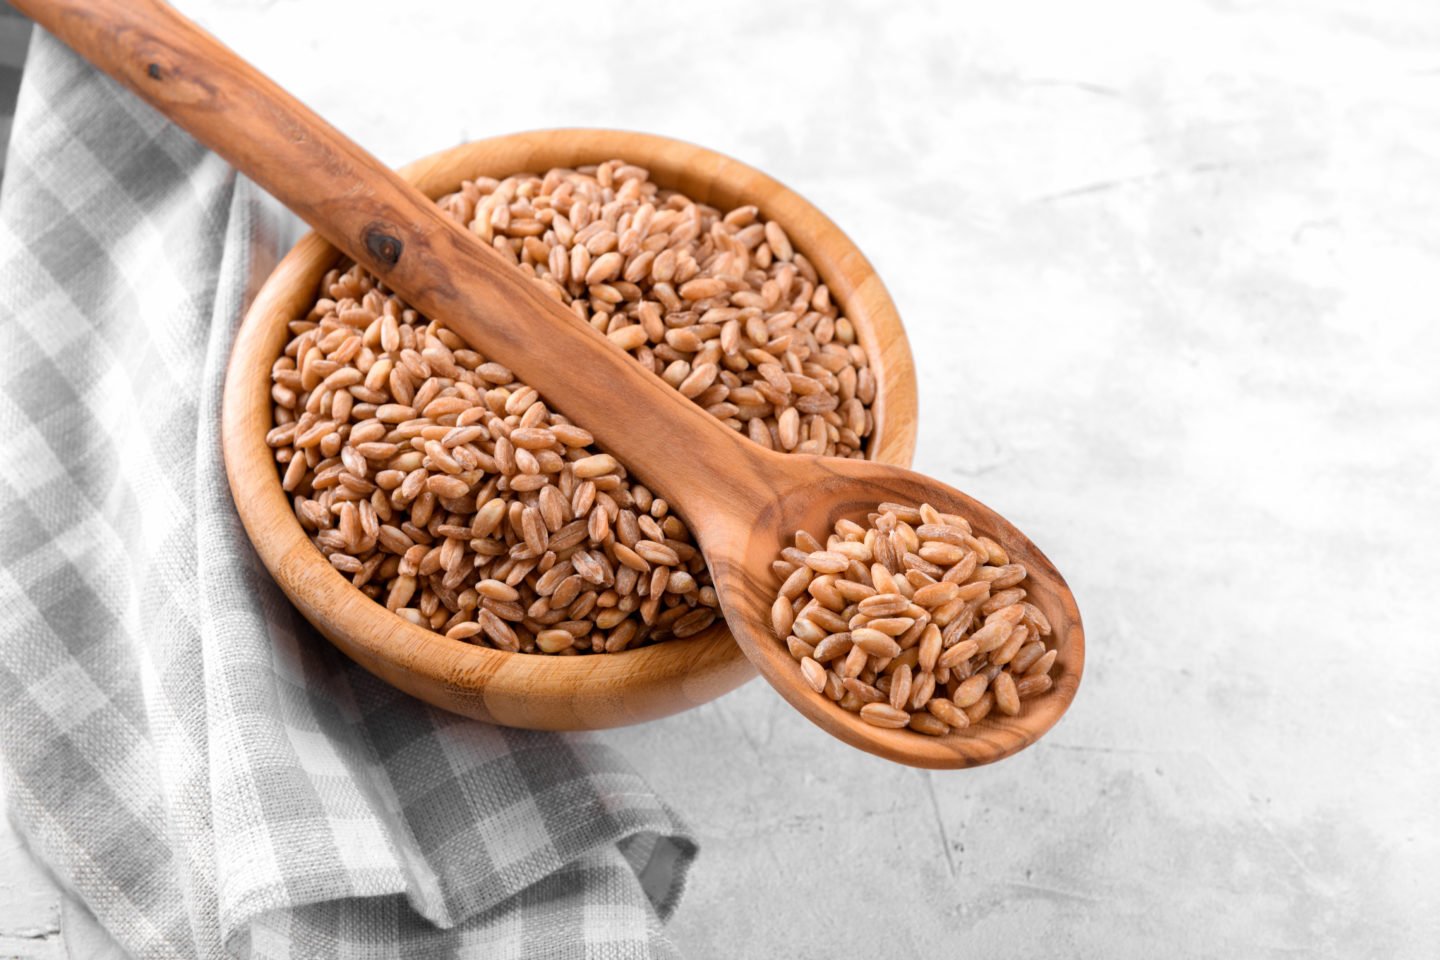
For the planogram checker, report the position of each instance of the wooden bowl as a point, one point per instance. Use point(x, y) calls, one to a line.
point(524, 690)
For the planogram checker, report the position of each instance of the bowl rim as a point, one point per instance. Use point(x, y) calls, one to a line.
point(581, 692)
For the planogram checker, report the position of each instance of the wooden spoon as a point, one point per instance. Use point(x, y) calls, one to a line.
point(742, 502)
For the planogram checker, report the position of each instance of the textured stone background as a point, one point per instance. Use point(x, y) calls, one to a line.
point(1171, 273)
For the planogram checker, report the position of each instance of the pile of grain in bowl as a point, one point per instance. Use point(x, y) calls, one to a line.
point(912, 621)
point(449, 491)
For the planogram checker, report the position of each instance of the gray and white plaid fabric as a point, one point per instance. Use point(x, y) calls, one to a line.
point(197, 767)
point(14, 37)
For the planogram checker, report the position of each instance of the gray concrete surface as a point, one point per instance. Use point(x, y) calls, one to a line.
point(1171, 275)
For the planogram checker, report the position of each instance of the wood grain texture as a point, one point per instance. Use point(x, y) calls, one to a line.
point(741, 500)
point(562, 693)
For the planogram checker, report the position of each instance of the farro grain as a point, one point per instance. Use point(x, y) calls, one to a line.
point(958, 654)
point(867, 693)
point(1026, 656)
point(928, 724)
point(554, 641)
point(930, 647)
point(834, 645)
point(884, 715)
point(949, 714)
point(808, 630)
point(828, 620)
point(854, 662)
point(907, 657)
point(891, 626)
point(797, 583)
point(874, 643)
point(900, 687)
point(823, 561)
point(1012, 646)
point(992, 635)
point(922, 690)
point(1037, 619)
point(782, 616)
point(798, 648)
point(973, 591)
point(696, 620)
point(1007, 699)
point(1029, 686)
point(823, 589)
point(1041, 667)
point(852, 590)
point(981, 708)
point(814, 674)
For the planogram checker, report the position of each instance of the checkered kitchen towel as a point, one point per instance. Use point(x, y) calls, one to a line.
point(14, 37)
point(199, 769)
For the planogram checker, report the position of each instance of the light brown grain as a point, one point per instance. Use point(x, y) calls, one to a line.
point(884, 715)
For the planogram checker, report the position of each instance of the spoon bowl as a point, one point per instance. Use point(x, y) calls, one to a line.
point(811, 494)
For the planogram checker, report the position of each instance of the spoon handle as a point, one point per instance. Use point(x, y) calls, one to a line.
point(400, 236)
